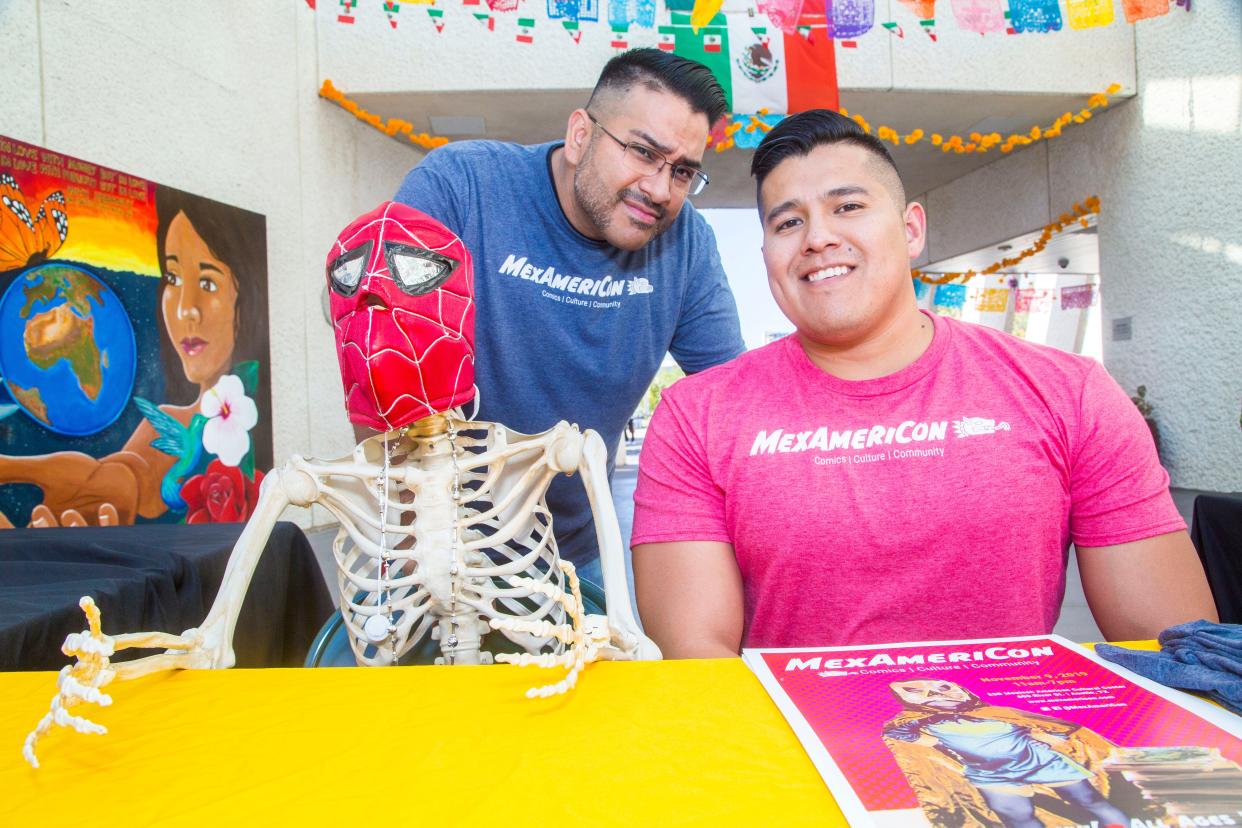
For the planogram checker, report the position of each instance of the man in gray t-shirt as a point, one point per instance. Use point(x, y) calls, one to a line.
point(589, 264)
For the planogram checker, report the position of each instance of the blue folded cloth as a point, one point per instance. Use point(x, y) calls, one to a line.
point(1198, 656)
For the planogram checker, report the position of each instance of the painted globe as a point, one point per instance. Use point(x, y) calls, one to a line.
point(67, 348)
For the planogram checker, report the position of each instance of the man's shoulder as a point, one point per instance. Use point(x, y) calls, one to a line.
point(486, 157)
point(459, 182)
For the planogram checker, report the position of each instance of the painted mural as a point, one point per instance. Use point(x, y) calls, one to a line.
point(133, 348)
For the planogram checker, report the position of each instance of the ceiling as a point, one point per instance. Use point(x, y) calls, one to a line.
point(535, 116)
point(1078, 250)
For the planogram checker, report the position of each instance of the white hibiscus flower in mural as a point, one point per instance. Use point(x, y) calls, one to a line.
point(230, 416)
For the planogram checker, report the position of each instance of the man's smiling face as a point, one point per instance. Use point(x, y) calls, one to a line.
point(837, 242)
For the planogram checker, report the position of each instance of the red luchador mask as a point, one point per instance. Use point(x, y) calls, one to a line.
point(402, 297)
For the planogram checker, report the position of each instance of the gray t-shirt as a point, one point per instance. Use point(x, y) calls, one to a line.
point(569, 328)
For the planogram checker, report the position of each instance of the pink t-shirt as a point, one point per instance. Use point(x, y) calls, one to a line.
point(934, 503)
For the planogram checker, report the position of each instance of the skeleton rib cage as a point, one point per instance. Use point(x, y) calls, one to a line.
point(450, 558)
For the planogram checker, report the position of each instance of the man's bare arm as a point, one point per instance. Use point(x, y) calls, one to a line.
point(690, 598)
point(1137, 589)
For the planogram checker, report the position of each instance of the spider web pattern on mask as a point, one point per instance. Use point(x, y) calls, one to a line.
point(391, 229)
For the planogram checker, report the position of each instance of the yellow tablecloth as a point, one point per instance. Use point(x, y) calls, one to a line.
point(636, 744)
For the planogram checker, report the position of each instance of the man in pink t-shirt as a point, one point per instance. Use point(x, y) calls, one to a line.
point(887, 475)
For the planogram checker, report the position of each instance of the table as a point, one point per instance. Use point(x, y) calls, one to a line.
point(679, 743)
point(159, 577)
point(1216, 530)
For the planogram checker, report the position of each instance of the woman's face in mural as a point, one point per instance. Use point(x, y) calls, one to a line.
point(199, 303)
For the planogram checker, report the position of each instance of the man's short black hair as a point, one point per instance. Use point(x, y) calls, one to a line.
point(663, 72)
point(797, 135)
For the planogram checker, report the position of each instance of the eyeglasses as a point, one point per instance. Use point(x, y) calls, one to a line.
point(642, 158)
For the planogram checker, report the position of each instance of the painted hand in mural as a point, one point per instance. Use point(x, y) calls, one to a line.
point(78, 490)
point(42, 517)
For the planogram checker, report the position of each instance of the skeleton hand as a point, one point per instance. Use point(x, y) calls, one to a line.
point(81, 681)
point(584, 638)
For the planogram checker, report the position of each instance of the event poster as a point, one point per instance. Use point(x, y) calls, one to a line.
point(1021, 731)
point(133, 348)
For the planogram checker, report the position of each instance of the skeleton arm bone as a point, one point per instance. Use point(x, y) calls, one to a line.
point(211, 645)
point(279, 489)
point(621, 620)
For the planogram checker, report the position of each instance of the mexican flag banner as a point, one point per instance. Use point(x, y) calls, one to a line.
point(668, 38)
point(761, 67)
point(782, 73)
point(526, 30)
point(391, 8)
point(709, 45)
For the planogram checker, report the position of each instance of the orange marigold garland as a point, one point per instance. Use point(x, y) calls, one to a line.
point(1077, 215)
point(977, 142)
point(722, 138)
point(391, 127)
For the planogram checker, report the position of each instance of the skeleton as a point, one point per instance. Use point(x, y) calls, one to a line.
point(445, 534)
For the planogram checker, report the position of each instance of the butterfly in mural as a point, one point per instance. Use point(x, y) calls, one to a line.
point(27, 239)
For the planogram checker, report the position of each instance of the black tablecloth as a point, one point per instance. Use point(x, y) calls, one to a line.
point(1216, 530)
point(153, 578)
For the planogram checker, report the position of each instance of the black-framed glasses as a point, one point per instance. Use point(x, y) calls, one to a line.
point(642, 158)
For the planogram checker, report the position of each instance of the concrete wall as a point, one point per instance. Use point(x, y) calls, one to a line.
point(1168, 169)
point(217, 99)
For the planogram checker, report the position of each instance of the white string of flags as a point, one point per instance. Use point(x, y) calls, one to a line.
point(847, 20)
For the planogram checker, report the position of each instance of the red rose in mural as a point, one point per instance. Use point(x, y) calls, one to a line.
point(221, 494)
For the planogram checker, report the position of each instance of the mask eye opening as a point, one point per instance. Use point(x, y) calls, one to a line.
point(442, 265)
point(347, 265)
